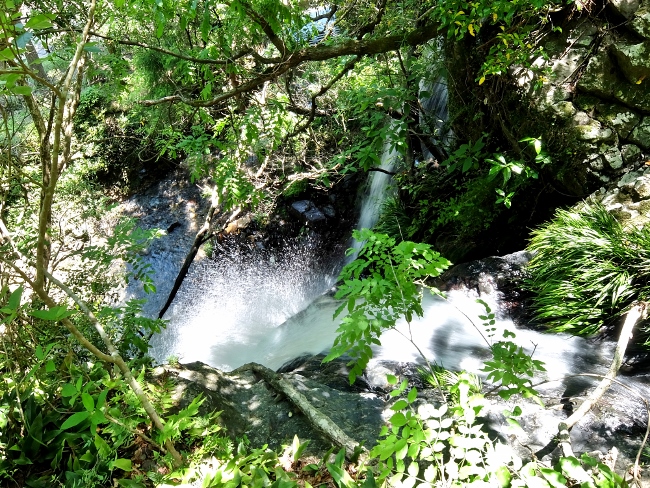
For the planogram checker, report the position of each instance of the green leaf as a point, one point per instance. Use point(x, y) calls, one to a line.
point(572, 468)
point(121, 463)
point(7, 54)
point(391, 379)
point(400, 405)
point(53, 314)
point(20, 90)
point(50, 366)
point(14, 299)
point(68, 390)
point(88, 457)
point(88, 402)
point(75, 419)
point(503, 476)
point(413, 394)
point(101, 399)
point(398, 419)
point(40, 21)
point(555, 479)
point(92, 47)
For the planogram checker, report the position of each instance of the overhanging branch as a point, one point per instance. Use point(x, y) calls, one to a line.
point(315, 53)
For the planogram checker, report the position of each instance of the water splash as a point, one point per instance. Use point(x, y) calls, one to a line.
point(228, 309)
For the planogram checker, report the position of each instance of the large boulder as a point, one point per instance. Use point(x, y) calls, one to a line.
point(250, 407)
point(634, 60)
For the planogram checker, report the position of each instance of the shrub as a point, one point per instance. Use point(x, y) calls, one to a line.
point(587, 270)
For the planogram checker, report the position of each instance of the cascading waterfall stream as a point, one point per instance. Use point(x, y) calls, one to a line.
point(233, 311)
point(375, 194)
point(271, 308)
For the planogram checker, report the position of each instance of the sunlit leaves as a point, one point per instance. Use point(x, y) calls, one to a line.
point(587, 269)
point(390, 289)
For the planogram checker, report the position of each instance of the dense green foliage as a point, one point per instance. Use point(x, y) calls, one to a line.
point(98, 98)
point(587, 270)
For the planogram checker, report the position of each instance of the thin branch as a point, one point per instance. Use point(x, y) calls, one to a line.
point(266, 27)
point(324, 89)
point(315, 53)
point(370, 26)
point(240, 54)
point(382, 170)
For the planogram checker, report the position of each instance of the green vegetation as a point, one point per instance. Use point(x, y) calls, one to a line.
point(99, 98)
point(588, 270)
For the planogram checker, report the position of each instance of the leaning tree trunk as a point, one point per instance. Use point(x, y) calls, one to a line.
point(204, 233)
point(319, 420)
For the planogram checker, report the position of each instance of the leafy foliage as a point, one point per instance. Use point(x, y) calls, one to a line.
point(381, 286)
point(587, 269)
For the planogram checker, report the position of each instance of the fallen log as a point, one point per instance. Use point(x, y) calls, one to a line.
point(319, 420)
point(563, 439)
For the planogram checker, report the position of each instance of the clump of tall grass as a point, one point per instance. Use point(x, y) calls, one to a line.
point(587, 270)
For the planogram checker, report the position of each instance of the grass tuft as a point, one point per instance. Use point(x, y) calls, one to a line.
point(587, 270)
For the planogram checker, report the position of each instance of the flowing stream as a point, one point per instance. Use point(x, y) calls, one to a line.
point(273, 306)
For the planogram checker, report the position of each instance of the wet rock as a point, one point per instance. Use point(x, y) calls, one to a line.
point(173, 227)
point(329, 211)
point(308, 212)
point(502, 270)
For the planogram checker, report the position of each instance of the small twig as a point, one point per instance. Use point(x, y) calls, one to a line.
point(136, 432)
point(636, 468)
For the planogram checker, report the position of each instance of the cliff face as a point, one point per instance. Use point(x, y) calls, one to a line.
point(597, 87)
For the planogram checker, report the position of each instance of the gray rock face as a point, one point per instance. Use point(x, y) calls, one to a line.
point(251, 407)
point(620, 118)
point(641, 134)
point(629, 199)
point(634, 60)
point(602, 78)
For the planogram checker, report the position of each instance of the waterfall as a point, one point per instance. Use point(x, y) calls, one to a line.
point(375, 194)
point(434, 118)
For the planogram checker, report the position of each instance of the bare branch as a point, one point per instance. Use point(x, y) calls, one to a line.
point(239, 54)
